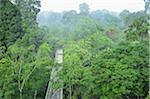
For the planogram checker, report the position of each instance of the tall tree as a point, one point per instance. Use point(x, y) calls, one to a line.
point(10, 24)
point(138, 30)
point(84, 9)
point(69, 17)
point(147, 6)
point(29, 10)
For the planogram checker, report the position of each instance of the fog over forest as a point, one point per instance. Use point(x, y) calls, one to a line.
point(71, 49)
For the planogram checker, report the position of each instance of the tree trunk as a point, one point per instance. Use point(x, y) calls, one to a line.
point(20, 94)
point(70, 91)
point(35, 94)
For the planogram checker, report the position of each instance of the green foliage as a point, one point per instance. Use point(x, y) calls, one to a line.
point(99, 41)
point(128, 17)
point(74, 57)
point(148, 96)
point(98, 63)
point(7, 84)
point(118, 69)
point(74, 73)
point(10, 24)
point(40, 76)
point(138, 30)
point(85, 27)
point(29, 10)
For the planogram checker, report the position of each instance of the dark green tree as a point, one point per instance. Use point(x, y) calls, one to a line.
point(10, 24)
point(116, 71)
point(138, 30)
point(29, 10)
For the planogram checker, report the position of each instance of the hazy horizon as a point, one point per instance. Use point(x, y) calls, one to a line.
point(115, 6)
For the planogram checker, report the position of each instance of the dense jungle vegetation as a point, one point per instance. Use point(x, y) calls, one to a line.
point(106, 54)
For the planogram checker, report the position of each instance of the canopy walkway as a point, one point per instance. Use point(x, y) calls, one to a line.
point(55, 93)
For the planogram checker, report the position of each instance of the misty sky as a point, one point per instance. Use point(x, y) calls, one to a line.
point(111, 5)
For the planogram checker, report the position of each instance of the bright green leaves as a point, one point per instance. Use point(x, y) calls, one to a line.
point(43, 63)
point(74, 59)
point(44, 52)
point(119, 71)
point(77, 69)
point(99, 41)
point(7, 84)
point(32, 61)
point(74, 72)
